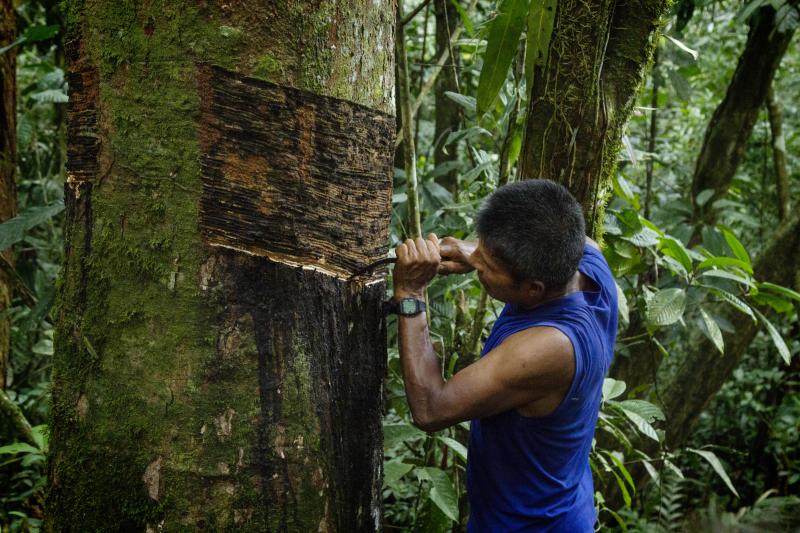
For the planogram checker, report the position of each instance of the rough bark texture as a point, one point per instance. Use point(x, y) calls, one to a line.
point(8, 158)
point(779, 155)
point(211, 374)
point(582, 98)
point(730, 127)
point(447, 113)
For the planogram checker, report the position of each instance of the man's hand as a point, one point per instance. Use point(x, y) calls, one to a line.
point(417, 263)
point(455, 255)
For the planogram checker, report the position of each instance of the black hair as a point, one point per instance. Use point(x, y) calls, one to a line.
point(536, 229)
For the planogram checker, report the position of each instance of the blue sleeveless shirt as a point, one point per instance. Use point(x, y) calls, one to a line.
point(532, 473)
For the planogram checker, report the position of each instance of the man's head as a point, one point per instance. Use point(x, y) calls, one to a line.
point(531, 239)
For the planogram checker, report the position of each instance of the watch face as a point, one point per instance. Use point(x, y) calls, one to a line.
point(408, 307)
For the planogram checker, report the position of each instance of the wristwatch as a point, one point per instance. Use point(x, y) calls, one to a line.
point(405, 307)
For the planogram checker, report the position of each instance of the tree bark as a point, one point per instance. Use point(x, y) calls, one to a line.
point(229, 166)
point(8, 163)
point(779, 155)
point(730, 127)
point(447, 113)
point(582, 98)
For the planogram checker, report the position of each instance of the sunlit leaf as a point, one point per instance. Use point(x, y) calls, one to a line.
point(666, 307)
point(612, 388)
point(736, 247)
point(641, 424)
point(783, 291)
point(777, 339)
point(458, 448)
point(643, 408)
point(726, 262)
point(442, 492)
point(712, 331)
point(683, 47)
point(713, 460)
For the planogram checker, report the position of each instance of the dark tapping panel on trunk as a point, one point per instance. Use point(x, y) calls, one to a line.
point(288, 174)
point(83, 141)
point(321, 349)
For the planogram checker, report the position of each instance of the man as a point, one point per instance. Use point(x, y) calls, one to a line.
point(534, 395)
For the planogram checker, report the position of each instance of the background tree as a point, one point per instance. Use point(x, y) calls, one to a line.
point(214, 367)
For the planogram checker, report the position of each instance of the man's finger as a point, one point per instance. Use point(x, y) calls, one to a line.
point(422, 249)
point(412, 249)
point(401, 252)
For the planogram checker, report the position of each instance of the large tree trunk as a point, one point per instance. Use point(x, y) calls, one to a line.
point(215, 368)
point(8, 163)
point(582, 98)
point(732, 123)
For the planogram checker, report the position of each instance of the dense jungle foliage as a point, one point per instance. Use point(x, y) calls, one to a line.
point(740, 468)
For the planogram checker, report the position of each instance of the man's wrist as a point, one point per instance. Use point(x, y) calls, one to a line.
point(399, 294)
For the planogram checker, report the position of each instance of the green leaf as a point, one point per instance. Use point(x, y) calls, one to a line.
point(673, 248)
point(467, 102)
point(712, 331)
point(394, 434)
point(465, 18)
point(504, 32)
point(458, 448)
point(666, 307)
point(17, 447)
point(645, 409)
point(719, 261)
point(394, 470)
point(735, 301)
point(729, 275)
point(41, 435)
point(12, 231)
point(612, 388)
point(40, 33)
point(51, 96)
point(784, 291)
point(625, 495)
point(622, 469)
point(704, 196)
point(777, 339)
point(736, 247)
point(683, 47)
point(541, 16)
point(442, 493)
point(641, 424)
point(713, 460)
point(622, 304)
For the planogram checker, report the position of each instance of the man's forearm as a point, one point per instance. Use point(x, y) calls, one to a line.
point(421, 369)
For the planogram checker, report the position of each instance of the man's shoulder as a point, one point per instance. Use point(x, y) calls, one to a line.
point(537, 351)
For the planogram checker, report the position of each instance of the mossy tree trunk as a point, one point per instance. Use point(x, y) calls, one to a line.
point(582, 97)
point(229, 166)
point(8, 163)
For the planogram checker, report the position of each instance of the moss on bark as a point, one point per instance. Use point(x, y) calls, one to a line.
point(159, 415)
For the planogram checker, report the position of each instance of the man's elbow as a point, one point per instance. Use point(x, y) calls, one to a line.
point(427, 422)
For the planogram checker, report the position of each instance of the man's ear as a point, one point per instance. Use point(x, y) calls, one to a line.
point(534, 289)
